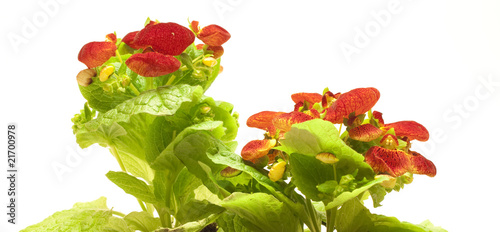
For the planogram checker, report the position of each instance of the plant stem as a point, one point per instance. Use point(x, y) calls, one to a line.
point(149, 83)
point(118, 213)
point(171, 80)
point(113, 151)
point(134, 89)
point(330, 219)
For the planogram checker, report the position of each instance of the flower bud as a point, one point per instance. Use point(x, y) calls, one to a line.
point(205, 109)
point(84, 77)
point(277, 171)
point(210, 61)
point(229, 172)
point(389, 184)
point(327, 158)
point(106, 72)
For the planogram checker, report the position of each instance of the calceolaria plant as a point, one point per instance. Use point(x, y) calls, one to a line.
point(315, 167)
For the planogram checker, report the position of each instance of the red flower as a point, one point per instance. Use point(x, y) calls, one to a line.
point(94, 54)
point(365, 133)
point(410, 129)
point(152, 64)
point(213, 35)
point(129, 40)
point(166, 38)
point(357, 101)
point(256, 149)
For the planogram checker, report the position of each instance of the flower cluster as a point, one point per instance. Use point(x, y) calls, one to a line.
point(156, 50)
point(386, 147)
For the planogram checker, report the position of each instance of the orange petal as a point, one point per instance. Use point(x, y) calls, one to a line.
point(166, 38)
point(358, 101)
point(377, 115)
point(284, 122)
point(365, 132)
point(199, 46)
point(111, 37)
point(392, 162)
point(262, 120)
point(411, 129)
point(421, 165)
point(195, 26)
point(218, 51)
point(94, 54)
point(257, 148)
point(152, 64)
point(309, 97)
point(213, 35)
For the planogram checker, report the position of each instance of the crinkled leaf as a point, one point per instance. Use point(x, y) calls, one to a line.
point(132, 185)
point(263, 212)
point(142, 221)
point(231, 222)
point(89, 216)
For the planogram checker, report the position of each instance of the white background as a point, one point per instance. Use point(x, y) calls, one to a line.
point(430, 60)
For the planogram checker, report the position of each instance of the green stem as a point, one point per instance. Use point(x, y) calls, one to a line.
point(120, 214)
point(171, 80)
point(149, 83)
point(330, 219)
point(134, 89)
point(117, 157)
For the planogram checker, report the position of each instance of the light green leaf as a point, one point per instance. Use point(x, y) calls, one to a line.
point(231, 222)
point(137, 167)
point(353, 216)
point(133, 186)
point(315, 136)
point(263, 212)
point(346, 196)
point(142, 221)
point(89, 216)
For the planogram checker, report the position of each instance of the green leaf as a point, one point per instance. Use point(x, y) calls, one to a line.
point(315, 136)
point(133, 186)
point(89, 216)
point(263, 212)
point(353, 216)
point(105, 129)
point(308, 173)
point(142, 221)
point(346, 196)
point(137, 167)
point(192, 151)
point(167, 160)
point(231, 222)
point(162, 101)
point(377, 192)
point(194, 226)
